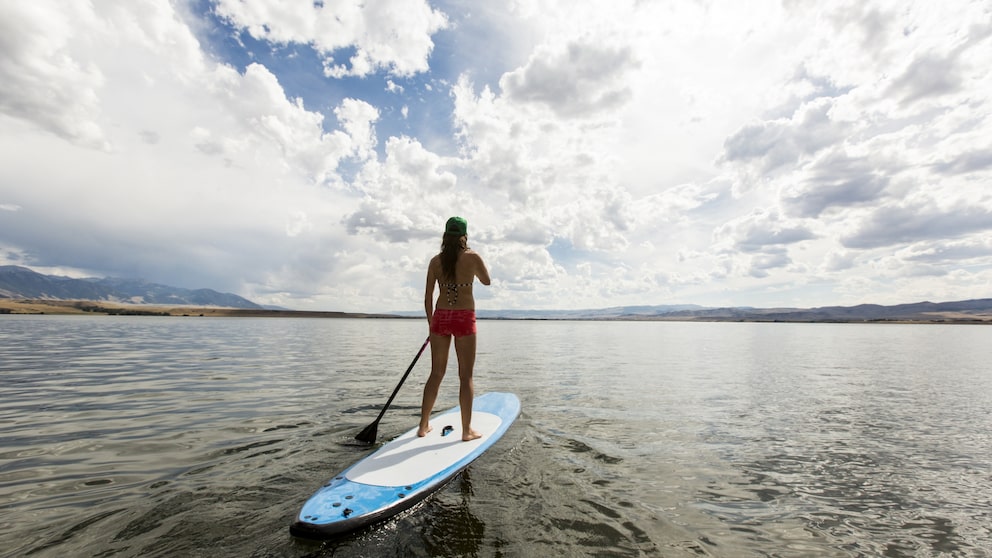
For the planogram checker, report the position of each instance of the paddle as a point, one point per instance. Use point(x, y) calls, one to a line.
point(368, 435)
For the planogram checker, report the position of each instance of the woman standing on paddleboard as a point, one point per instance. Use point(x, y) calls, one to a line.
point(453, 271)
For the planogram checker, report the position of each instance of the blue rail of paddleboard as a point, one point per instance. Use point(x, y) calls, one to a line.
point(342, 505)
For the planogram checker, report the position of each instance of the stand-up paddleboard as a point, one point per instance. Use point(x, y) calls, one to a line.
point(404, 471)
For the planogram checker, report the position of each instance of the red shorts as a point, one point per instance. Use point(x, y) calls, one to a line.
point(453, 322)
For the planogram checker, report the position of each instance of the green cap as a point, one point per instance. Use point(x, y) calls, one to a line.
point(456, 226)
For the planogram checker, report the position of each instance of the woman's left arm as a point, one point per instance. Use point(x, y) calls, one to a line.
point(480, 270)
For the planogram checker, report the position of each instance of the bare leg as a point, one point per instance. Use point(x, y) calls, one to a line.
point(465, 352)
point(440, 346)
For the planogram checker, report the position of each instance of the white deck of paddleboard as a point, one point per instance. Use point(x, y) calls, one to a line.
point(410, 459)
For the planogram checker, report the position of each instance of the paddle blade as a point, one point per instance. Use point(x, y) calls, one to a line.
point(368, 434)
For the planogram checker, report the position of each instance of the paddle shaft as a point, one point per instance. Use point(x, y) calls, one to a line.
point(403, 379)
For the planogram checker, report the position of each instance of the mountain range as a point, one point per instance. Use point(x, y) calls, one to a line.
point(958, 311)
point(22, 283)
point(969, 311)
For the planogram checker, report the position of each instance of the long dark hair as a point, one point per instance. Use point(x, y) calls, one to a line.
point(451, 248)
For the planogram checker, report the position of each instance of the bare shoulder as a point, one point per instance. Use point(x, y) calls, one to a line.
point(478, 266)
point(474, 257)
point(434, 267)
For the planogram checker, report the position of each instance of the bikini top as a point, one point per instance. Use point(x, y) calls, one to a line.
point(451, 291)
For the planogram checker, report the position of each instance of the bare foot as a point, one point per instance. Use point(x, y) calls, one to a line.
point(470, 435)
point(421, 432)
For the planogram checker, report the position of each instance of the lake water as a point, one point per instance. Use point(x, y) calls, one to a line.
point(145, 436)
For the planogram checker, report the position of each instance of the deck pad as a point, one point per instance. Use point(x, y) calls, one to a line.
point(410, 459)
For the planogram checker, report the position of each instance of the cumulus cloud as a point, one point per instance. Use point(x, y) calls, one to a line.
point(942, 252)
point(543, 162)
point(763, 230)
point(928, 75)
point(944, 71)
point(777, 143)
point(403, 194)
point(44, 81)
point(840, 261)
point(389, 35)
point(676, 203)
point(259, 104)
point(916, 221)
point(835, 180)
point(761, 264)
point(582, 79)
point(966, 162)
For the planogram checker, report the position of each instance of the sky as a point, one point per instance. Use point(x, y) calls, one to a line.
point(306, 154)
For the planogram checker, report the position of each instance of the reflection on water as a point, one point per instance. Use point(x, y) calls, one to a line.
point(141, 436)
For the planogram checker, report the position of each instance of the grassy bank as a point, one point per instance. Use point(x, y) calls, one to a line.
point(89, 307)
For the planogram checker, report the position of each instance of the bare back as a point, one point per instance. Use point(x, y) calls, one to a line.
point(456, 294)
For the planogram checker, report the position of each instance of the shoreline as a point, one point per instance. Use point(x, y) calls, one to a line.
point(89, 307)
point(92, 307)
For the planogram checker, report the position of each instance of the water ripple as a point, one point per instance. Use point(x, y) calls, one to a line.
point(141, 436)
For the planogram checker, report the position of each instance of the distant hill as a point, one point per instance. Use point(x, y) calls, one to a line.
point(23, 283)
point(963, 310)
point(979, 310)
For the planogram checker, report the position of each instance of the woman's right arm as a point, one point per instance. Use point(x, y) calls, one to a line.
point(429, 290)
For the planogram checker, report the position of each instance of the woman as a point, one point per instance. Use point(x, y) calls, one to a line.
point(453, 271)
